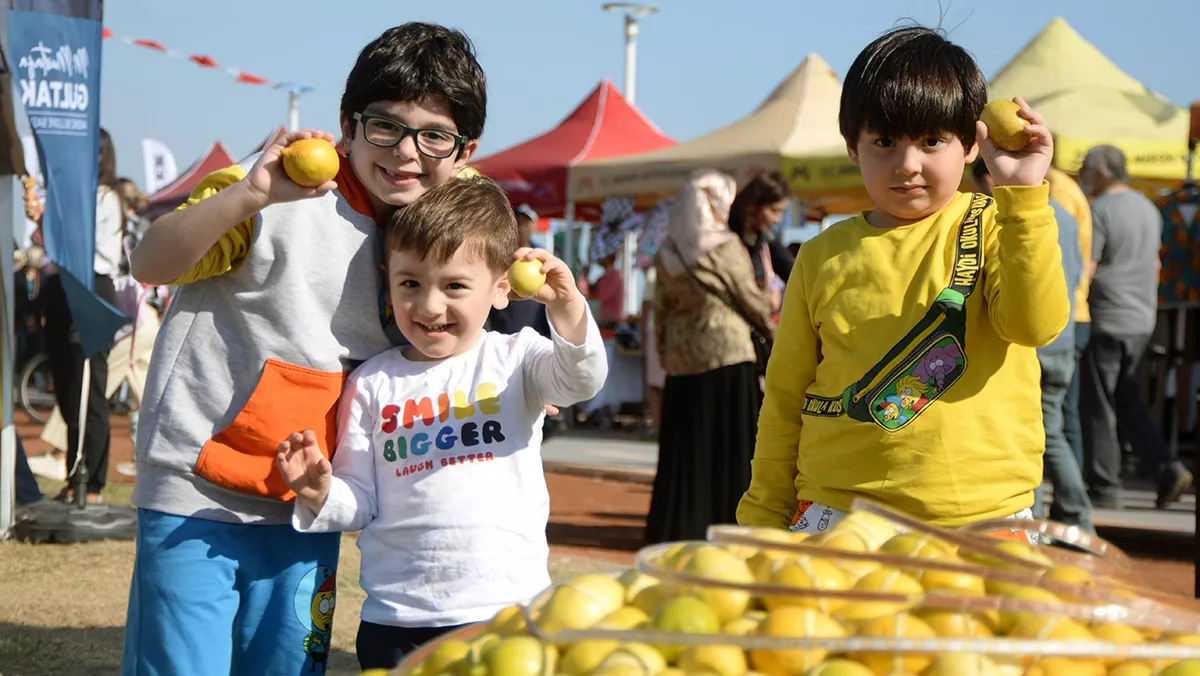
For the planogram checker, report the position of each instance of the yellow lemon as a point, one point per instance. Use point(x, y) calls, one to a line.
point(632, 659)
point(962, 664)
point(1005, 127)
point(725, 660)
point(635, 581)
point(526, 277)
point(799, 623)
point(955, 624)
point(1010, 619)
point(520, 656)
point(803, 572)
point(445, 655)
point(714, 563)
point(583, 657)
point(686, 615)
point(884, 581)
point(839, 667)
point(895, 626)
point(310, 161)
point(509, 621)
point(624, 618)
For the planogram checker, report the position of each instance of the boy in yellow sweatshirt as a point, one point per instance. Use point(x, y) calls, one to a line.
point(904, 368)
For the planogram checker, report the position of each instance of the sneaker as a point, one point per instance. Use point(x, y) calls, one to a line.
point(1174, 481)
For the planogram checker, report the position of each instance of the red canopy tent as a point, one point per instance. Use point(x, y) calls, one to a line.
point(604, 125)
point(177, 191)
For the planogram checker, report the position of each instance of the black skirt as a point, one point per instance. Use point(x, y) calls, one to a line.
point(706, 442)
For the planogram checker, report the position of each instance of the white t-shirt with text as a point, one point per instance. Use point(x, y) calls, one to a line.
point(439, 464)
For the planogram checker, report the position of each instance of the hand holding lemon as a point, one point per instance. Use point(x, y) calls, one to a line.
point(299, 165)
point(1015, 143)
point(536, 274)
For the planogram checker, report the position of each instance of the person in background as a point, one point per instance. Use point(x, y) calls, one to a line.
point(1057, 360)
point(1067, 194)
point(1126, 235)
point(756, 210)
point(133, 344)
point(521, 313)
point(705, 299)
point(62, 338)
point(609, 289)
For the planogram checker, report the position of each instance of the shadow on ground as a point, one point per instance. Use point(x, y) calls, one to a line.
point(71, 651)
point(617, 538)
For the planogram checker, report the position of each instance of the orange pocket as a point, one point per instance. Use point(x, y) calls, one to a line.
point(288, 398)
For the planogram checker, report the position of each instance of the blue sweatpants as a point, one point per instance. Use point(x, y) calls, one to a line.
point(217, 598)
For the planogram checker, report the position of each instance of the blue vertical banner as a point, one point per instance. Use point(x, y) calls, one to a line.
point(54, 50)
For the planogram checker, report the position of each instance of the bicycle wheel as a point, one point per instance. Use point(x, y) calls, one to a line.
point(37, 388)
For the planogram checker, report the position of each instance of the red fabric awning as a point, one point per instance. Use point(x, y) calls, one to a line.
point(604, 125)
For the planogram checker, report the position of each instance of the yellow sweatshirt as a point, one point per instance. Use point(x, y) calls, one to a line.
point(972, 453)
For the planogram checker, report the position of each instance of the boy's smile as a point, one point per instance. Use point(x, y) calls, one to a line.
point(397, 176)
point(909, 179)
point(441, 307)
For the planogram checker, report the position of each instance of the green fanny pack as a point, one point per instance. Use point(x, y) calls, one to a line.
point(930, 358)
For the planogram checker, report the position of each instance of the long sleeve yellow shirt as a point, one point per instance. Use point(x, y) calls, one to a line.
point(973, 453)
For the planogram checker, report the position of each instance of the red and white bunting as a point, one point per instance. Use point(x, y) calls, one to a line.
point(202, 60)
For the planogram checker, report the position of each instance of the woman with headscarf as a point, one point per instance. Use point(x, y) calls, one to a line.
point(706, 300)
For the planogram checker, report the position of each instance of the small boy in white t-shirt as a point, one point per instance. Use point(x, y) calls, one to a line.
point(438, 457)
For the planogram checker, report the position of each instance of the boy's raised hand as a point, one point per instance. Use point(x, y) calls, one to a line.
point(305, 469)
point(269, 183)
point(560, 283)
point(1027, 166)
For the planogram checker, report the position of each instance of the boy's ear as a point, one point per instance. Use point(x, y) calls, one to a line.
point(972, 154)
point(500, 293)
point(347, 127)
point(465, 153)
point(852, 151)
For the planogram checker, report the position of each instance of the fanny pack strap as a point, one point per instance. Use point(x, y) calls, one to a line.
point(968, 262)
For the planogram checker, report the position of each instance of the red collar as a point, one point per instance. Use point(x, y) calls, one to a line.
point(354, 192)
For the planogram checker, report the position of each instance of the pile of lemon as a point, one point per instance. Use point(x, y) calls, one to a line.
point(865, 598)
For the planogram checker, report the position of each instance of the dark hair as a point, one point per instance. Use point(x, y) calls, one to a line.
point(766, 188)
point(108, 171)
point(416, 60)
point(108, 160)
point(979, 170)
point(471, 212)
point(912, 82)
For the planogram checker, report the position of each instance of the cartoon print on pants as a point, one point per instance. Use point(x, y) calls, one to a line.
point(314, 602)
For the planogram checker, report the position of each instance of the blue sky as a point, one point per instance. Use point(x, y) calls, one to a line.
point(701, 63)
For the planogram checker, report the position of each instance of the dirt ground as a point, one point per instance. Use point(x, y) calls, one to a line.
point(64, 605)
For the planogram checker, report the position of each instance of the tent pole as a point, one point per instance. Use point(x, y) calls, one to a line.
point(8, 435)
point(569, 247)
point(79, 473)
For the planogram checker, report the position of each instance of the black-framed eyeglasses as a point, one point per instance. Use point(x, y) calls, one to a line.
point(388, 133)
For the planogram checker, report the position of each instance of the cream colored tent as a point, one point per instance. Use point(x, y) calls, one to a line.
point(798, 119)
point(1087, 100)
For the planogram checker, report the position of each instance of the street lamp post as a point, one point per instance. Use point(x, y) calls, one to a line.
point(294, 91)
point(633, 11)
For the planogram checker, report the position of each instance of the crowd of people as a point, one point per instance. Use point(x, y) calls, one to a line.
point(921, 354)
